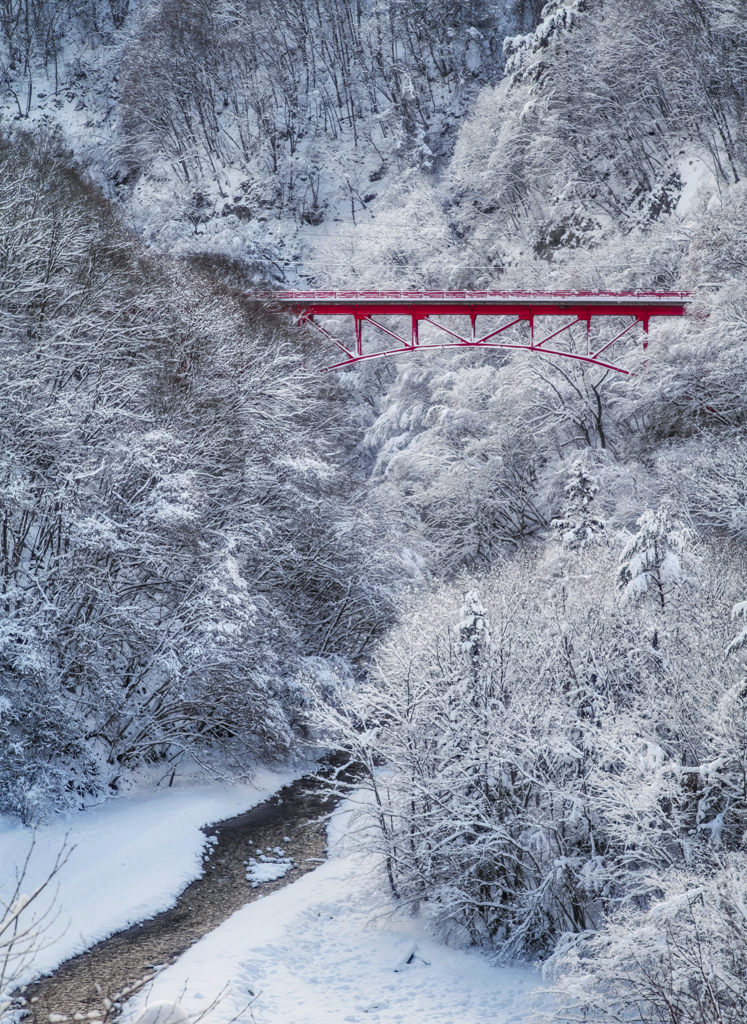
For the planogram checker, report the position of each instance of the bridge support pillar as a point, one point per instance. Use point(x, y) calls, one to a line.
point(415, 329)
point(645, 318)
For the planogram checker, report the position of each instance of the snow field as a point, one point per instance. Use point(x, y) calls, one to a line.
point(129, 859)
point(324, 950)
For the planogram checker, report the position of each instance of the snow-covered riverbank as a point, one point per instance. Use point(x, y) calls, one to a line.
point(325, 949)
point(128, 859)
point(328, 950)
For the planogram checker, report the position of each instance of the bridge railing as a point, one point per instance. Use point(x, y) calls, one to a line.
point(470, 296)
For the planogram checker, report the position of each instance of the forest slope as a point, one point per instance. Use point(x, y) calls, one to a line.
point(198, 522)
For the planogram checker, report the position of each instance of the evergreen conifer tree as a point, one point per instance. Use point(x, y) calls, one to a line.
point(652, 561)
point(578, 526)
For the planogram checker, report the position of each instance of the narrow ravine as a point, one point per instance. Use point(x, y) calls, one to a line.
point(95, 984)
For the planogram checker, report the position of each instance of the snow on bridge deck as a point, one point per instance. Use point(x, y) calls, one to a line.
point(522, 308)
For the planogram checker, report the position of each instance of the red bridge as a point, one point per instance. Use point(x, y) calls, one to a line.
point(531, 314)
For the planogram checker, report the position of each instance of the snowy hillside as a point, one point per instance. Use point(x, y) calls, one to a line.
point(512, 588)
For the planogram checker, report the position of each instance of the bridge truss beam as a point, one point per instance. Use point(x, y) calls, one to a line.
point(521, 309)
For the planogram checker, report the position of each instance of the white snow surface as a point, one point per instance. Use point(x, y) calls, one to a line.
point(325, 950)
point(267, 868)
point(130, 858)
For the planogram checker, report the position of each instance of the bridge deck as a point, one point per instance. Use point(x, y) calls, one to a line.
point(485, 301)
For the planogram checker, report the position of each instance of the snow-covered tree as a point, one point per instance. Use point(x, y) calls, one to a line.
point(654, 560)
point(739, 611)
point(578, 525)
point(681, 958)
point(474, 629)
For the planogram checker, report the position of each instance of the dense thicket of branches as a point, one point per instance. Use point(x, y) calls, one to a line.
point(606, 104)
point(565, 751)
point(174, 530)
point(609, 113)
point(35, 44)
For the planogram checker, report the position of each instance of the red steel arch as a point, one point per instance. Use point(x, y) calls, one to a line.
point(521, 308)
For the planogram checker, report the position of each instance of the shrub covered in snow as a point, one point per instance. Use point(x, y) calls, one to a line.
point(541, 759)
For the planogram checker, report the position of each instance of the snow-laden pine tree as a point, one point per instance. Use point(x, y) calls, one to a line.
point(654, 560)
point(474, 629)
point(578, 525)
point(739, 612)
